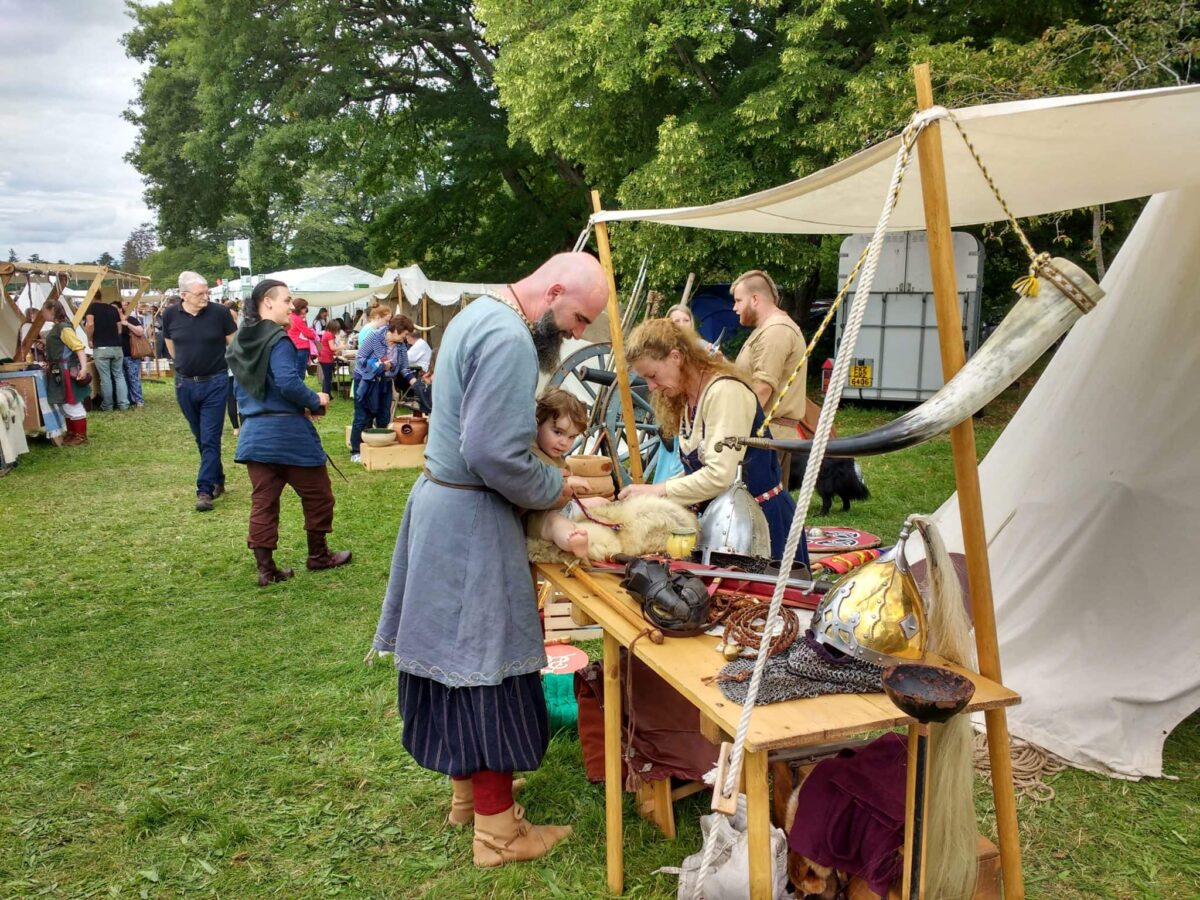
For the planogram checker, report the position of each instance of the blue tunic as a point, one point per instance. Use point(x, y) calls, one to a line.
point(274, 429)
point(460, 607)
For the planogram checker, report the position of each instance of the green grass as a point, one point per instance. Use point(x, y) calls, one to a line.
point(171, 729)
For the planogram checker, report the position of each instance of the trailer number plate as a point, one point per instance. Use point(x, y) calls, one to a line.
point(861, 372)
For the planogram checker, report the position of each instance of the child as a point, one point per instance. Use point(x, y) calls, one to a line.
point(561, 418)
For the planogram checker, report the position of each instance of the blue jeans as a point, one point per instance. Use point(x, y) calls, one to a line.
point(373, 410)
point(133, 380)
point(111, 369)
point(203, 405)
point(302, 362)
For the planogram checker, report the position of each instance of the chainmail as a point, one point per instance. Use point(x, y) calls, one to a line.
point(808, 669)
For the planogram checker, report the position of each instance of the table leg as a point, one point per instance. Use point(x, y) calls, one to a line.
point(613, 786)
point(758, 813)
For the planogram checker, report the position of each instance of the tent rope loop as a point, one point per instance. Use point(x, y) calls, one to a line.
point(837, 384)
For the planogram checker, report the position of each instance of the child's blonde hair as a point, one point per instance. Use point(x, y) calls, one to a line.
point(556, 403)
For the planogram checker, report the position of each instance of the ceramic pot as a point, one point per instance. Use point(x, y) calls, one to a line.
point(378, 437)
point(411, 429)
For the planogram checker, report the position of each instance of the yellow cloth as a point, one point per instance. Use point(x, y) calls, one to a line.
point(71, 340)
point(770, 355)
point(726, 409)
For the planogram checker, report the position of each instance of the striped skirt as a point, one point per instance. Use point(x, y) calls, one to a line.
point(460, 731)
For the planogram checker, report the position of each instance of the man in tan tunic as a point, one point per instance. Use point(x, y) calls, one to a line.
point(772, 351)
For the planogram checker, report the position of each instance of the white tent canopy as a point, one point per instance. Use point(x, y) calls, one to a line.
point(445, 293)
point(1045, 155)
point(324, 286)
point(1091, 496)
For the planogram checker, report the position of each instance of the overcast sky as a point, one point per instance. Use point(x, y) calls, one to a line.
point(65, 190)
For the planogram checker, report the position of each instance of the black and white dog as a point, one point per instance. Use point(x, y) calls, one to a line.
point(839, 477)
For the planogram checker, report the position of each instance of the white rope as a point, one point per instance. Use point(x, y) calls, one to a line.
point(837, 383)
point(582, 240)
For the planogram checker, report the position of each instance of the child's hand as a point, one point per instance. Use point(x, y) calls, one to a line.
point(578, 484)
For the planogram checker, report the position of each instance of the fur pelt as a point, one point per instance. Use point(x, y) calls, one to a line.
point(646, 524)
point(839, 477)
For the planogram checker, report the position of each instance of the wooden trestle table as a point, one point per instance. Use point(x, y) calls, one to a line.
point(684, 662)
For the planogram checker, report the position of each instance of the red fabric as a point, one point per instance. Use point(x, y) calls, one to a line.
point(493, 791)
point(300, 332)
point(325, 347)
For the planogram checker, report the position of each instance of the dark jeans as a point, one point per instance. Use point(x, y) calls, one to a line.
point(373, 410)
point(203, 405)
point(420, 392)
point(302, 362)
point(267, 481)
point(327, 377)
point(133, 380)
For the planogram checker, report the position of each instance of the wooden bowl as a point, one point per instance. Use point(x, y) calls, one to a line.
point(378, 437)
point(927, 693)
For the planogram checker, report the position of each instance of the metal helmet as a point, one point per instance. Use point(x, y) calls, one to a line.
point(734, 523)
point(875, 613)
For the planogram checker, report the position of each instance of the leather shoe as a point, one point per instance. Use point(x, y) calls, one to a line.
point(204, 503)
point(218, 490)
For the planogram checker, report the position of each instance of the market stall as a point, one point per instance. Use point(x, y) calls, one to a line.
point(998, 161)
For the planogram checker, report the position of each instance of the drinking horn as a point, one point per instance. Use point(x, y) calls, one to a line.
point(1065, 294)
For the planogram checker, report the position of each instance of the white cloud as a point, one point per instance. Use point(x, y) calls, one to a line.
point(65, 190)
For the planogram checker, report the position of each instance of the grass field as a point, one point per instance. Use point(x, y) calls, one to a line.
point(170, 729)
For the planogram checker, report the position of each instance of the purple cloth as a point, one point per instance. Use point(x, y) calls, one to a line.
point(850, 813)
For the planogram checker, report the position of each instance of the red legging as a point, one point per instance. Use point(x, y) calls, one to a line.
point(493, 791)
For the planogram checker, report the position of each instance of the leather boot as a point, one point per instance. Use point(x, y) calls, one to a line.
point(268, 572)
point(462, 804)
point(507, 837)
point(320, 556)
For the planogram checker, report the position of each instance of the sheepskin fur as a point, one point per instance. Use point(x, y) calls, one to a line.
point(646, 524)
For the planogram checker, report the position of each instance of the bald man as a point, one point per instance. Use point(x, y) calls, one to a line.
point(460, 612)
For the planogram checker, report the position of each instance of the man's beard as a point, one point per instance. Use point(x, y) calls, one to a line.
point(547, 341)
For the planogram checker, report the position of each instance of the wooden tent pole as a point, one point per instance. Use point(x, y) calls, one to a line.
point(966, 478)
point(87, 298)
point(618, 348)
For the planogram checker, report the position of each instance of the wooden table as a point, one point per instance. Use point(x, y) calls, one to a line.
point(683, 662)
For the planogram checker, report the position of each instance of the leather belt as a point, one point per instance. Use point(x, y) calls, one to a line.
point(199, 378)
point(773, 492)
point(458, 487)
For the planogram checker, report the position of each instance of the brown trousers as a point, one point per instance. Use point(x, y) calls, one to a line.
point(268, 480)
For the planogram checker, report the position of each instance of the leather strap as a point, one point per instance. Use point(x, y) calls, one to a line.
point(458, 487)
point(773, 492)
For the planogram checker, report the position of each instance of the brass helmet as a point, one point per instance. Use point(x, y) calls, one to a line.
point(733, 523)
point(875, 613)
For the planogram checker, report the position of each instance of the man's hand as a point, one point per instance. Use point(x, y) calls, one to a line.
point(635, 490)
point(323, 397)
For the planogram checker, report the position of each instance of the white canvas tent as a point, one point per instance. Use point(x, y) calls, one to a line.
point(323, 286)
point(1091, 498)
point(415, 286)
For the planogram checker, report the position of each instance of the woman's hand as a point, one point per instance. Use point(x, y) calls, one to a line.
point(635, 490)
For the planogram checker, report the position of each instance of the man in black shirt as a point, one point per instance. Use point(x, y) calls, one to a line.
point(101, 326)
point(196, 334)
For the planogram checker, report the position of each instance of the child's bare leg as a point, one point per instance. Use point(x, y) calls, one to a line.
point(565, 534)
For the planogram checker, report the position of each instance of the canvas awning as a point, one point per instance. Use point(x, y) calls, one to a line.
point(1045, 155)
point(445, 293)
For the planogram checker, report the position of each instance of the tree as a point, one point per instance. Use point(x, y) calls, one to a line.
point(12, 255)
point(667, 104)
point(106, 259)
point(394, 102)
point(139, 245)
